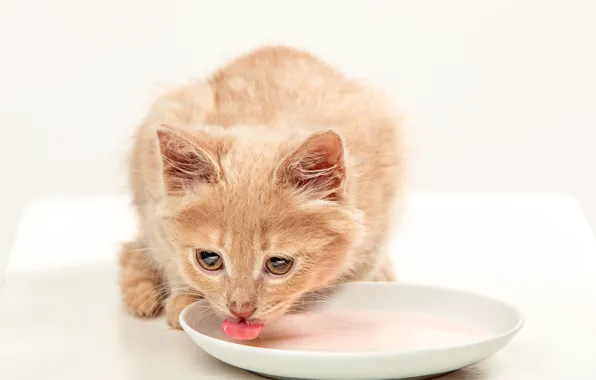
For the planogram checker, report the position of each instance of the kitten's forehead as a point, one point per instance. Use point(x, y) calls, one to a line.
point(248, 195)
point(242, 212)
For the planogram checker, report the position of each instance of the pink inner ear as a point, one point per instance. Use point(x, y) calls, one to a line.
point(331, 148)
point(321, 151)
point(317, 166)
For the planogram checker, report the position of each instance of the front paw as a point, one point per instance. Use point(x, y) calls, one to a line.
point(142, 298)
point(174, 306)
point(140, 282)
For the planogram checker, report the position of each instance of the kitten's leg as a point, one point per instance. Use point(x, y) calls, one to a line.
point(176, 302)
point(140, 281)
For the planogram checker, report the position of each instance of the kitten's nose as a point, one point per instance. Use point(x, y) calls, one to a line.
point(243, 311)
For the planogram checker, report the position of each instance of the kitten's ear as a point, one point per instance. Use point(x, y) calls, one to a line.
point(316, 167)
point(188, 158)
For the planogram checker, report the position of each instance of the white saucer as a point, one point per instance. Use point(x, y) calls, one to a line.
point(497, 321)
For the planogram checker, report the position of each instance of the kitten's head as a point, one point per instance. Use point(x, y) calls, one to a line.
point(257, 218)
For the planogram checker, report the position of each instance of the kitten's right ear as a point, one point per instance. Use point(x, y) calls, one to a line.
point(317, 167)
point(188, 158)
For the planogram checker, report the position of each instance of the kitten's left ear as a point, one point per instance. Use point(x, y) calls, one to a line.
point(316, 167)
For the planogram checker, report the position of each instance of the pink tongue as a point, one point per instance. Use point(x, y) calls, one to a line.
point(242, 330)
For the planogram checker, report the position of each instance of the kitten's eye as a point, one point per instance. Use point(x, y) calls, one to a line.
point(278, 265)
point(210, 261)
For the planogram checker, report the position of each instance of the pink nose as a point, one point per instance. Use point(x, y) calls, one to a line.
point(244, 311)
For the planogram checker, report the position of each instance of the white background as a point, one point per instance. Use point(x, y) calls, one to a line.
point(497, 95)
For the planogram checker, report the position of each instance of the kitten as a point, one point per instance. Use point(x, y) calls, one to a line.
point(274, 178)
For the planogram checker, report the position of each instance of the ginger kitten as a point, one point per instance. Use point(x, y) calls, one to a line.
point(274, 178)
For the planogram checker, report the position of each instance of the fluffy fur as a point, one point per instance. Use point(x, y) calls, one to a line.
point(275, 153)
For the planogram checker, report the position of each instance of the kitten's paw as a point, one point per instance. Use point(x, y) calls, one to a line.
point(140, 282)
point(175, 304)
point(142, 298)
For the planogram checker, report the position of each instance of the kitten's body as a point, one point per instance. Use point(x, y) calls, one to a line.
point(260, 108)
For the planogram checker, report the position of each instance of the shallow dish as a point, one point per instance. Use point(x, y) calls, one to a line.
point(369, 331)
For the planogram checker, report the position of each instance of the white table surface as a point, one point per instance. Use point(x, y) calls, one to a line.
point(61, 317)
